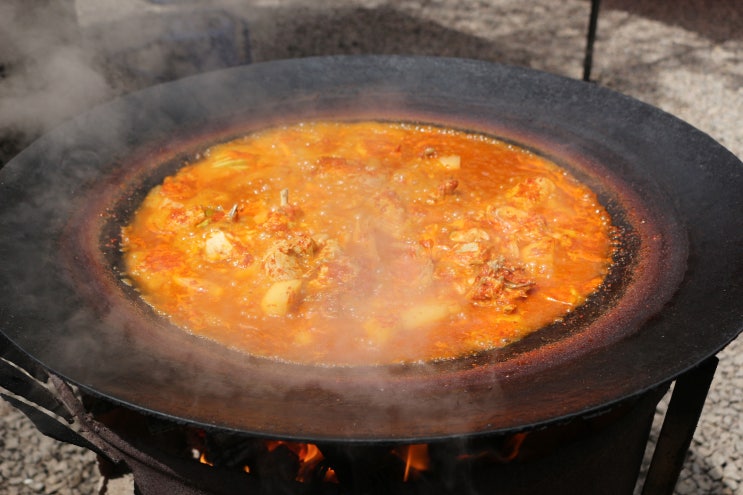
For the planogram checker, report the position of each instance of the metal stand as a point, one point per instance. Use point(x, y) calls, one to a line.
point(690, 389)
point(689, 394)
point(590, 39)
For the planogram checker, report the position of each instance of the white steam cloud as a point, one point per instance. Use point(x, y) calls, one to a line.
point(47, 74)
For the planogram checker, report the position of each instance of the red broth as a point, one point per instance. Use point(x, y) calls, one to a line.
point(367, 243)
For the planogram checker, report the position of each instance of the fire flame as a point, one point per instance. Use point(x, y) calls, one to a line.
point(308, 455)
point(514, 445)
point(204, 460)
point(416, 458)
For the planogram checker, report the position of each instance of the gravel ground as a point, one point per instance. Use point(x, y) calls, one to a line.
point(685, 57)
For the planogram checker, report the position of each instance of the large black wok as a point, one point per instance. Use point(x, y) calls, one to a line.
point(674, 299)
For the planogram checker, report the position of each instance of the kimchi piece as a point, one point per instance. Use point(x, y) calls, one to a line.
point(367, 243)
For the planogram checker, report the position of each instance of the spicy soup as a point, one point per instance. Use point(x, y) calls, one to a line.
point(337, 243)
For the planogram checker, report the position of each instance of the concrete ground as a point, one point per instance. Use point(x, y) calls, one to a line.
point(683, 56)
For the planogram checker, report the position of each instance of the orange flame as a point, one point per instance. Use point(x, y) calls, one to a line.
point(309, 456)
point(514, 445)
point(416, 458)
point(204, 460)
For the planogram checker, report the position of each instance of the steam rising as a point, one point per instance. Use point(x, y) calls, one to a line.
point(48, 75)
point(55, 63)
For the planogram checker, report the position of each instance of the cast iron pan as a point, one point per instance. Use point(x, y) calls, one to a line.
point(674, 298)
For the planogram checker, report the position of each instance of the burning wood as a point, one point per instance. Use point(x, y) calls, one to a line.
point(306, 464)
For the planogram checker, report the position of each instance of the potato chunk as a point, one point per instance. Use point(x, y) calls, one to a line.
point(424, 315)
point(282, 297)
point(451, 162)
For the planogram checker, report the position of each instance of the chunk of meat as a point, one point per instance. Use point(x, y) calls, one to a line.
point(390, 212)
point(287, 258)
point(279, 265)
point(470, 235)
point(217, 247)
point(179, 189)
point(539, 256)
point(448, 187)
point(532, 191)
point(499, 283)
point(300, 244)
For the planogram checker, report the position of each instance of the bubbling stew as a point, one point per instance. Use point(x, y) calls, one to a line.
point(367, 243)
